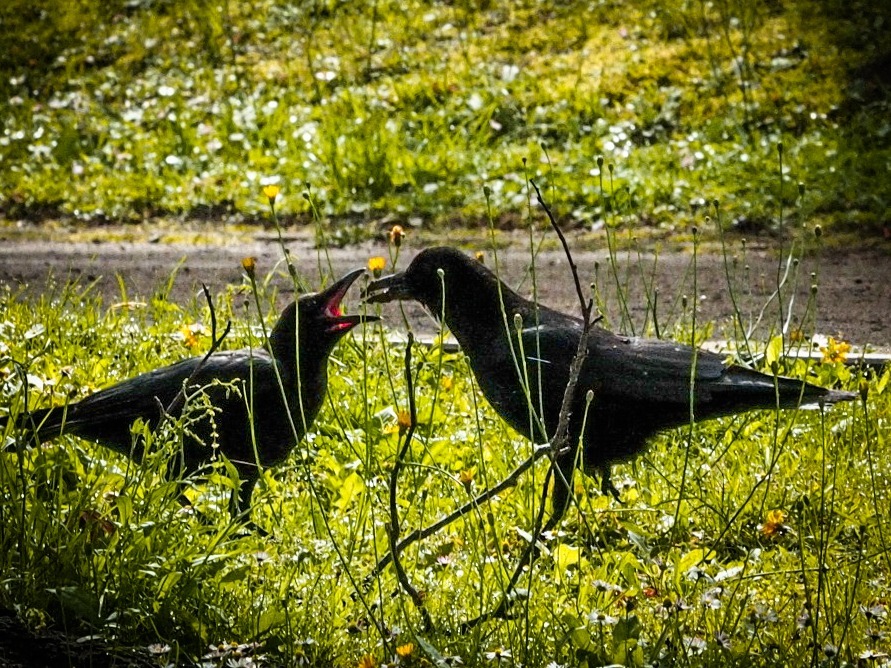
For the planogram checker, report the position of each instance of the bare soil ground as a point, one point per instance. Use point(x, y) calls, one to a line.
point(853, 298)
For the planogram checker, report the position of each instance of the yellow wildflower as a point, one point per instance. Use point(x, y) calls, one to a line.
point(249, 264)
point(480, 257)
point(446, 383)
point(796, 335)
point(397, 234)
point(366, 661)
point(466, 479)
point(835, 351)
point(190, 334)
point(376, 265)
point(774, 524)
point(403, 419)
point(405, 651)
point(271, 191)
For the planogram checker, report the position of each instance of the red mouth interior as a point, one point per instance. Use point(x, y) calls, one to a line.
point(334, 313)
point(333, 310)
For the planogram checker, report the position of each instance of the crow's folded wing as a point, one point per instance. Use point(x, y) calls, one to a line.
point(652, 370)
point(146, 396)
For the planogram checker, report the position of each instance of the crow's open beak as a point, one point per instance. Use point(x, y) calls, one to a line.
point(338, 321)
point(387, 289)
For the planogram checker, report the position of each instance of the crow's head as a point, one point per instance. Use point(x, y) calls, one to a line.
point(318, 318)
point(435, 275)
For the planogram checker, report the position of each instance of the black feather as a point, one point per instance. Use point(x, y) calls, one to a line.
point(262, 401)
point(640, 386)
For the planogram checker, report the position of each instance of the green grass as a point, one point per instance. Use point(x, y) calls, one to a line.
point(125, 111)
point(435, 114)
point(691, 569)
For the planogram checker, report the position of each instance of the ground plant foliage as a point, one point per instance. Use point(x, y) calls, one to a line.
point(754, 540)
point(128, 109)
point(757, 540)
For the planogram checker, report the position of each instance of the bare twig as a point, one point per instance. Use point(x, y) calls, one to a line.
point(393, 529)
point(585, 306)
point(558, 446)
point(561, 435)
point(559, 442)
point(529, 556)
point(177, 403)
point(420, 534)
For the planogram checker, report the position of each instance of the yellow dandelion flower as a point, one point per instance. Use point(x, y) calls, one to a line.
point(397, 234)
point(466, 478)
point(376, 265)
point(249, 264)
point(405, 651)
point(774, 524)
point(271, 191)
point(446, 383)
point(835, 351)
point(480, 257)
point(191, 333)
point(403, 419)
point(366, 661)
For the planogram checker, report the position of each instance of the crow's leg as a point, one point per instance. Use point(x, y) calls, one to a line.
point(606, 483)
point(564, 468)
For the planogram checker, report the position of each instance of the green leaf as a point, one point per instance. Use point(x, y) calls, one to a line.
point(432, 652)
point(581, 639)
point(626, 629)
point(774, 352)
point(690, 559)
point(168, 582)
point(270, 619)
point(236, 575)
point(79, 602)
point(351, 488)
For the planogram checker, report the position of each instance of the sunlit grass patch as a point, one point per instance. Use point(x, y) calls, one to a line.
point(758, 539)
point(408, 110)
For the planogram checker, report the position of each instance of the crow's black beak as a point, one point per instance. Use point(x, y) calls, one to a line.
point(387, 289)
point(338, 321)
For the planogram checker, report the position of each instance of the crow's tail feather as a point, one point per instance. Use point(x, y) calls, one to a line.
point(34, 427)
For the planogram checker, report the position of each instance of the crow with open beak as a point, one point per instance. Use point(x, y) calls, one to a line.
point(251, 405)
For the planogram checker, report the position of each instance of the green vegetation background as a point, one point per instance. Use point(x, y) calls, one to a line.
point(754, 541)
point(123, 110)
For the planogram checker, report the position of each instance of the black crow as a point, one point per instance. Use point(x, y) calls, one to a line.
point(640, 386)
point(252, 405)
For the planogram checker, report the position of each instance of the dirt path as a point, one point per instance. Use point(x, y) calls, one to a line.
point(853, 297)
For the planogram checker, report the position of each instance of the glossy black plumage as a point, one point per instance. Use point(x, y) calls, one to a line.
point(641, 386)
point(262, 403)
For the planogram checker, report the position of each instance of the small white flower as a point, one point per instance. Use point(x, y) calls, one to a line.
point(509, 73)
point(602, 619)
point(499, 654)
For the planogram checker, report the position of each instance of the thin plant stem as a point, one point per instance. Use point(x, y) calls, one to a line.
point(393, 533)
point(692, 393)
